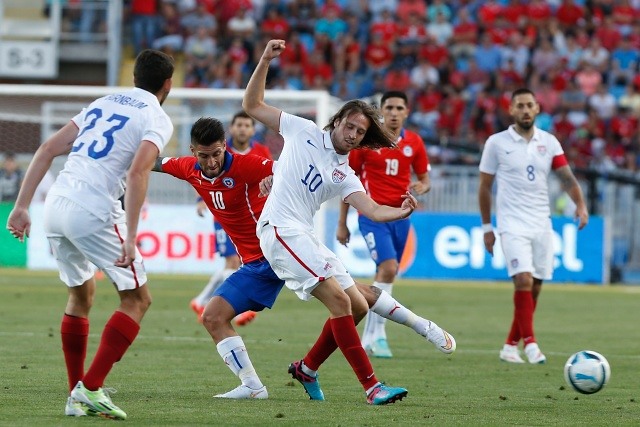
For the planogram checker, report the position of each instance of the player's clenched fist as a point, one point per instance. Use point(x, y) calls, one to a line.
point(273, 50)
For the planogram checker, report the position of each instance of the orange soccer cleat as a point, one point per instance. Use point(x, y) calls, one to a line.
point(244, 318)
point(197, 308)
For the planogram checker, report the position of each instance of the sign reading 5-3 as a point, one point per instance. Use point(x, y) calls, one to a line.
point(28, 59)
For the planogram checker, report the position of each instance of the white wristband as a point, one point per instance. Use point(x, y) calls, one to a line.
point(487, 228)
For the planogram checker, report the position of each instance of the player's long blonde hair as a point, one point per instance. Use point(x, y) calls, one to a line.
point(377, 135)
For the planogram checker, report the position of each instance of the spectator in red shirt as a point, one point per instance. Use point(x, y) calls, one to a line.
point(346, 55)
point(386, 26)
point(509, 74)
point(295, 56)
point(500, 31)
point(488, 12)
point(397, 78)
point(408, 8)
point(377, 55)
point(413, 30)
point(436, 54)
point(624, 15)
point(275, 26)
point(570, 15)
point(514, 12)
point(624, 125)
point(426, 112)
point(144, 24)
point(317, 73)
point(465, 34)
point(608, 34)
point(562, 127)
point(539, 13)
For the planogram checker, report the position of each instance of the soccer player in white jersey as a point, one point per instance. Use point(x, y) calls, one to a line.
point(116, 136)
point(313, 168)
point(520, 159)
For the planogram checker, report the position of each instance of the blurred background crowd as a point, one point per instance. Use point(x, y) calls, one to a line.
point(459, 61)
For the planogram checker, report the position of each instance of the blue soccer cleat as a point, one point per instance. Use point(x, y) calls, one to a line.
point(310, 384)
point(382, 394)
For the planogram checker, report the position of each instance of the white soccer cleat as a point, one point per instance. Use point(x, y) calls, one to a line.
point(510, 353)
point(440, 338)
point(244, 392)
point(73, 408)
point(534, 354)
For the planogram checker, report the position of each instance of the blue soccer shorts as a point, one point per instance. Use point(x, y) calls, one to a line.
point(253, 287)
point(385, 240)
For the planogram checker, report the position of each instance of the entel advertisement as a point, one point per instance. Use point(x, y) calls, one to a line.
point(174, 239)
point(451, 246)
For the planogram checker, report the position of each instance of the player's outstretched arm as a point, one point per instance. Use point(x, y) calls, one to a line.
point(19, 222)
point(253, 100)
point(570, 184)
point(381, 213)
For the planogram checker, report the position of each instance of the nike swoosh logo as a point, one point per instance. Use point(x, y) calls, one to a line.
point(311, 143)
point(509, 152)
point(449, 344)
point(255, 394)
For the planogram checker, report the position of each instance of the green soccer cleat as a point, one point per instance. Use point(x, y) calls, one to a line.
point(98, 401)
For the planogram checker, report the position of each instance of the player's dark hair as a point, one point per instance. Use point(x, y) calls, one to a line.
point(152, 69)
point(522, 91)
point(377, 135)
point(242, 115)
point(206, 131)
point(394, 94)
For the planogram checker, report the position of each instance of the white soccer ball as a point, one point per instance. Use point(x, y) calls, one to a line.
point(587, 371)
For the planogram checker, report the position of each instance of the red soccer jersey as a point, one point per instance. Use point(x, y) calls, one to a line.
point(232, 197)
point(386, 173)
point(255, 148)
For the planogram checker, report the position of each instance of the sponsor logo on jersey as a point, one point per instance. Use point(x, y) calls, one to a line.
point(542, 150)
point(228, 182)
point(407, 151)
point(338, 176)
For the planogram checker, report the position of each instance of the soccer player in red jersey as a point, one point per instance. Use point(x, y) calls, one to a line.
point(228, 184)
point(386, 175)
point(241, 142)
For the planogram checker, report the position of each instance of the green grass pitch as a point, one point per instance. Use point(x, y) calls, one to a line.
point(171, 372)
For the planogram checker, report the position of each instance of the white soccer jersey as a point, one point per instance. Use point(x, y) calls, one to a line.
point(522, 169)
point(309, 172)
point(110, 131)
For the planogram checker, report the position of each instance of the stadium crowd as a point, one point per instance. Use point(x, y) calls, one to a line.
point(458, 60)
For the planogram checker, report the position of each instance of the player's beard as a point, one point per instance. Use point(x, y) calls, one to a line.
point(525, 125)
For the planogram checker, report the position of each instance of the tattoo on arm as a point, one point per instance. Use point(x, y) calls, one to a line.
point(157, 166)
point(567, 179)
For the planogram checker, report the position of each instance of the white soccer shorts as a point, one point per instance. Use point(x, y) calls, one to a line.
point(301, 260)
point(81, 242)
point(533, 253)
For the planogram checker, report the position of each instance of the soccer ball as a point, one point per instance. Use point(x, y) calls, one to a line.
point(587, 371)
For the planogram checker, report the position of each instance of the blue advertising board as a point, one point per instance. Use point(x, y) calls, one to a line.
point(451, 246)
